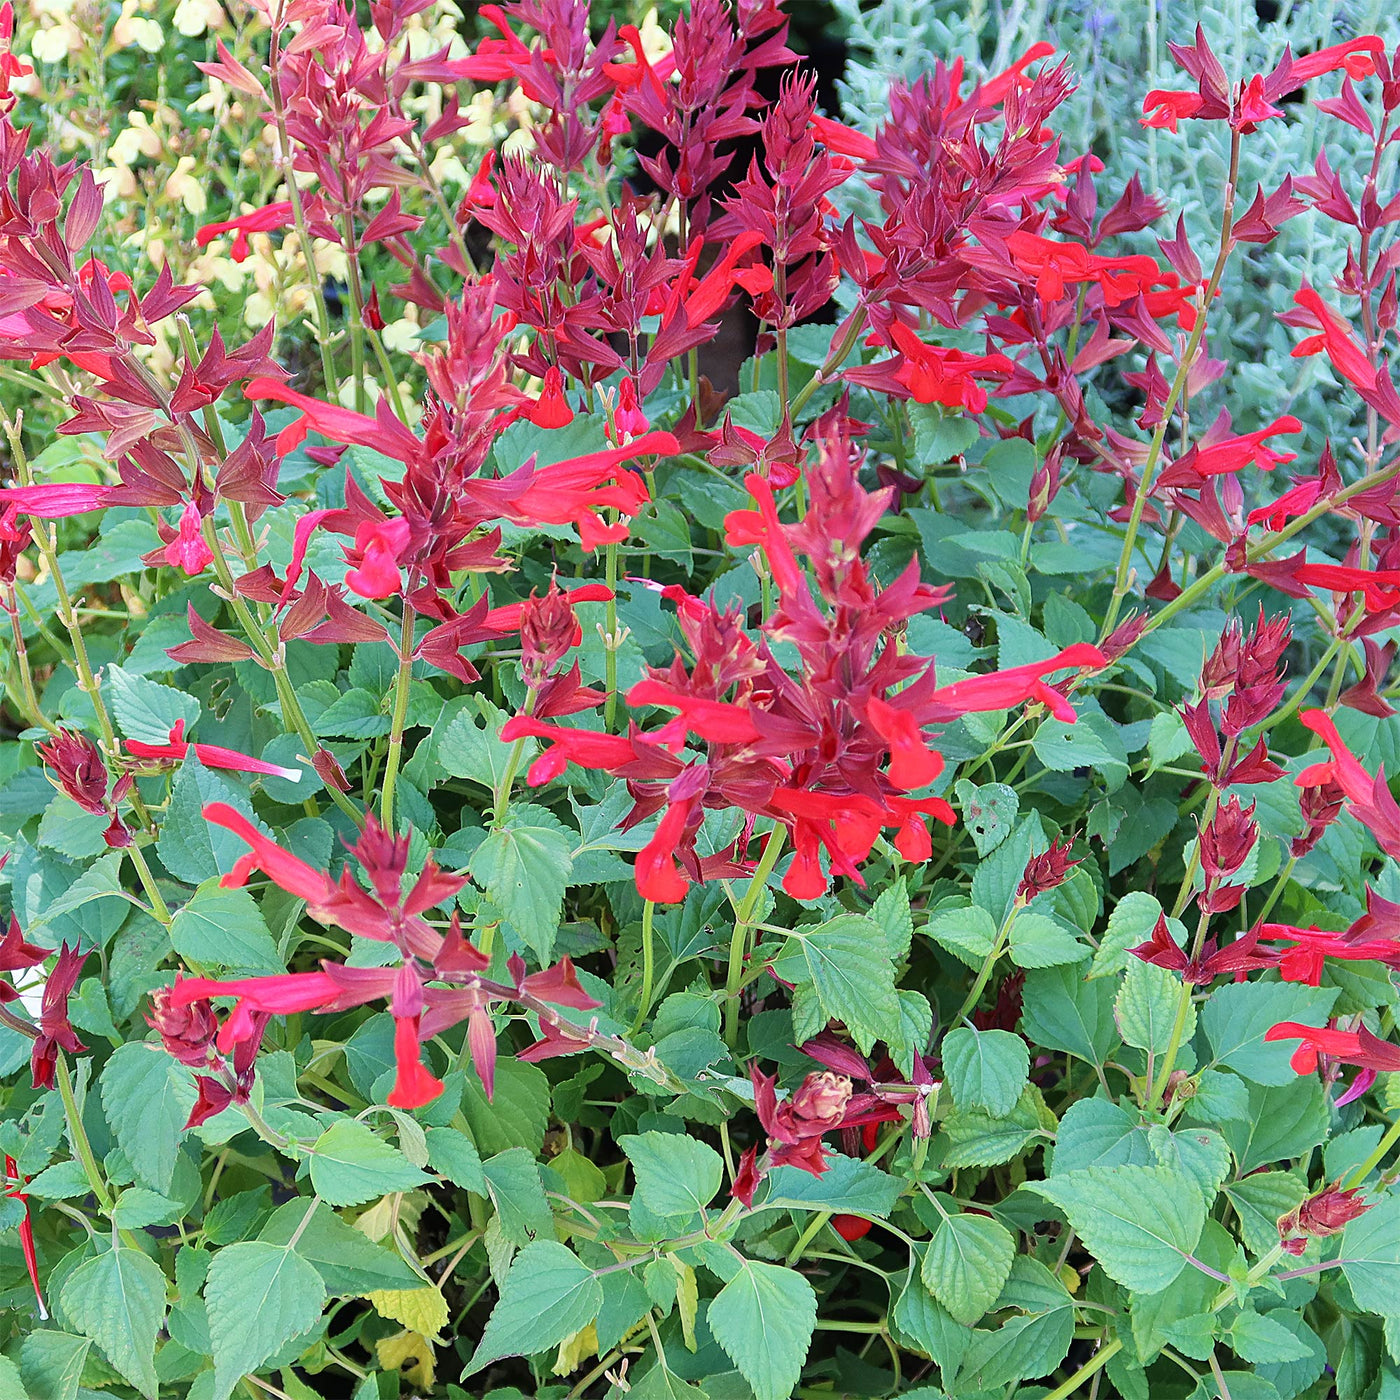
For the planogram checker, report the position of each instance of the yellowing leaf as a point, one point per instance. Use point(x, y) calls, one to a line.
point(422, 1310)
point(411, 1354)
point(573, 1350)
point(687, 1300)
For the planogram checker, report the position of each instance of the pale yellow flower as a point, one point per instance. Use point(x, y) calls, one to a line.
point(193, 17)
point(186, 186)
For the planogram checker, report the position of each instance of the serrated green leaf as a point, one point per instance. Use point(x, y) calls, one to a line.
point(350, 1165)
point(1147, 1006)
point(1039, 941)
point(851, 975)
point(148, 711)
point(676, 1174)
point(1238, 1016)
point(988, 812)
point(258, 1296)
point(975, 1138)
point(969, 933)
point(147, 1097)
point(118, 1299)
point(1370, 1257)
point(985, 1069)
point(349, 1262)
point(547, 1295)
point(764, 1318)
point(1140, 1223)
point(453, 1154)
point(966, 1264)
point(1257, 1337)
point(224, 928)
point(525, 871)
point(51, 1364)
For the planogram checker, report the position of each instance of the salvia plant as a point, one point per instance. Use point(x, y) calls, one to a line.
point(529, 875)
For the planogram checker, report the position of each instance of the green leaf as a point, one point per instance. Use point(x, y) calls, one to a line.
point(350, 1165)
point(513, 1182)
point(349, 1262)
point(1256, 1337)
point(1284, 1122)
point(989, 812)
point(848, 1184)
point(891, 911)
point(470, 745)
point(147, 711)
point(1370, 1257)
point(969, 933)
point(547, 1295)
point(118, 1299)
point(975, 1138)
point(525, 871)
point(1238, 1015)
point(60, 1182)
point(1140, 1223)
point(1098, 1133)
point(1062, 1011)
point(1029, 1345)
point(192, 849)
point(518, 1114)
point(764, 1318)
point(1131, 923)
point(1040, 941)
point(51, 1364)
point(1147, 1005)
point(1198, 1153)
point(985, 1069)
point(147, 1098)
point(355, 715)
point(259, 1296)
point(966, 1264)
point(1167, 740)
point(453, 1154)
point(852, 977)
point(224, 928)
point(676, 1174)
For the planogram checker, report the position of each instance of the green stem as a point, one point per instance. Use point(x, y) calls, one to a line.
point(1096, 1362)
point(1359, 1174)
point(1154, 451)
point(1183, 1012)
point(77, 1136)
point(148, 883)
point(743, 923)
point(988, 963)
point(402, 683)
point(648, 963)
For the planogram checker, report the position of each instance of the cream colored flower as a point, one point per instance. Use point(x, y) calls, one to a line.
point(184, 185)
point(193, 17)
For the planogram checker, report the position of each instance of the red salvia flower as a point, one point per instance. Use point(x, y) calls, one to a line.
point(1358, 1047)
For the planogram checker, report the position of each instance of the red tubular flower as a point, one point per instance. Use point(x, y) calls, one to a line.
point(551, 409)
point(584, 747)
point(850, 1227)
point(278, 995)
point(717, 284)
point(380, 545)
point(1296, 501)
point(1000, 690)
point(414, 1086)
point(1369, 799)
point(658, 878)
point(844, 140)
point(290, 872)
point(1310, 947)
point(913, 764)
point(15, 1189)
point(210, 755)
point(937, 374)
point(715, 721)
point(1166, 109)
point(1358, 1047)
point(187, 551)
point(262, 220)
point(383, 432)
point(1248, 449)
point(1334, 339)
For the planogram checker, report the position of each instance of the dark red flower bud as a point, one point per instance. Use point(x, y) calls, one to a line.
point(820, 1101)
point(1321, 1215)
point(1047, 870)
point(1320, 806)
point(75, 764)
point(1125, 636)
point(1227, 840)
point(188, 1031)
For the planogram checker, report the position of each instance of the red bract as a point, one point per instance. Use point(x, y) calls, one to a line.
point(56, 1033)
point(1369, 799)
